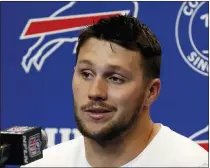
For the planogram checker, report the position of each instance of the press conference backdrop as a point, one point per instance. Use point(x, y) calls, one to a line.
point(38, 42)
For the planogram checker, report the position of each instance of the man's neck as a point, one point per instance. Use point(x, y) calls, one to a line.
point(121, 151)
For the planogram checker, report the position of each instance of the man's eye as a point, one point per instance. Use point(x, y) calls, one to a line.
point(117, 80)
point(86, 75)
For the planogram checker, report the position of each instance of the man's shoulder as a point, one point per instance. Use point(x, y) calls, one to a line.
point(184, 150)
point(62, 154)
point(176, 140)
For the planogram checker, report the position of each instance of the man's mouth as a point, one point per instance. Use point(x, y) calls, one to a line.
point(98, 113)
point(97, 110)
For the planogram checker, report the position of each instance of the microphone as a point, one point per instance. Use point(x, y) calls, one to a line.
point(20, 145)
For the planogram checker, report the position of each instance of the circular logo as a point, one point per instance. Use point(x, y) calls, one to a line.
point(192, 35)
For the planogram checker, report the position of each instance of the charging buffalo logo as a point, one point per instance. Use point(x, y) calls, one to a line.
point(192, 34)
point(53, 31)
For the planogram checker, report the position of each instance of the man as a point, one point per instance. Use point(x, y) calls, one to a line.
point(115, 82)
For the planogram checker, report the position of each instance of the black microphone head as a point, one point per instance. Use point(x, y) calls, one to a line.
point(44, 139)
point(26, 144)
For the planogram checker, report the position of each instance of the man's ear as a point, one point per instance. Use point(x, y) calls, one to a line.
point(153, 91)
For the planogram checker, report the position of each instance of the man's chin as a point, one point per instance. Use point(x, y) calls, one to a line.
point(96, 136)
point(100, 135)
point(95, 133)
point(99, 131)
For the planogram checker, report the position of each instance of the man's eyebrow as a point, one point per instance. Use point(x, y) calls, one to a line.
point(119, 68)
point(116, 67)
point(85, 62)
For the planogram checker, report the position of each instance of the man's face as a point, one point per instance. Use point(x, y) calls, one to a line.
point(108, 89)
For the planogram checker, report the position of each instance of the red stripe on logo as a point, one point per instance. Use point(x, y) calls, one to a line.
point(46, 26)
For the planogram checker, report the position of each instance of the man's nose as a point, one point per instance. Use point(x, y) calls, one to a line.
point(98, 90)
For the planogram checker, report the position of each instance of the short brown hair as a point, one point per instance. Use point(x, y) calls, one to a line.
point(131, 34)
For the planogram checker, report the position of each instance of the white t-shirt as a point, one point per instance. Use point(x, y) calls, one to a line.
point(167, 149)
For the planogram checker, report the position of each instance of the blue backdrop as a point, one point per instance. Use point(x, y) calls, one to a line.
point(38, 41)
